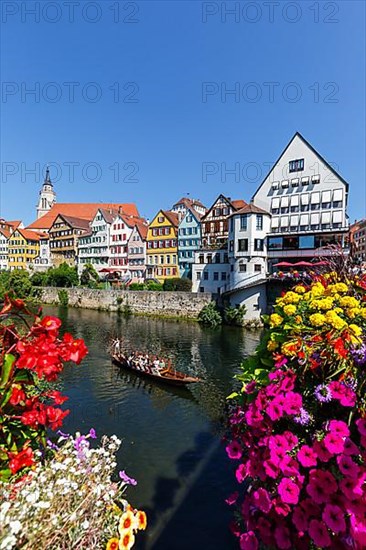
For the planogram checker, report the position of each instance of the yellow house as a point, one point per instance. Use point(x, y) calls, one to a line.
point(162, 246)
point(23, 248)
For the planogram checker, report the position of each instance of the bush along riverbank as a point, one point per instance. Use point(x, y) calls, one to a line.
point(58, 491)
point(298, 422)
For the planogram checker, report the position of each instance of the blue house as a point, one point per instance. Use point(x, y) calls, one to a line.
point(189, 240)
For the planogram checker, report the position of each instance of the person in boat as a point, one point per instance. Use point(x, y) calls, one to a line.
point(116, 347)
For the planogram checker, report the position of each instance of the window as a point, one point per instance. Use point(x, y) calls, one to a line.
point(306, 241)
point(209, 258)
point(242, 268)
point(275, 223)
point(161, 219)
point(295, 182)
point(296, 165)
point(315, 179)
point(242, 245)
point(259, 222)
point(217, 258)
point(205, 275)
point(257, 268)
point(275, 243)
point(275, 185)
point(290, 243)
point(258, 245)
point(284, 184)
point(216, 276)
point(244, 222)
point(223, 276)
point(217, 212)
point(201, 259)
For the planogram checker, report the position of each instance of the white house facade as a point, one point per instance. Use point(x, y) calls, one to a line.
point(247, 245)
point(120, 233)
point(93, 246)
point(136, 253)
point(210, 270)
point(4, 236)
point(43, 261)
point(307, 199)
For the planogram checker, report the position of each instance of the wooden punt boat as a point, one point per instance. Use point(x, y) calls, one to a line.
point(166, 376)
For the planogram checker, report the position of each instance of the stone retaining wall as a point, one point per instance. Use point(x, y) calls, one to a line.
point(170, 304)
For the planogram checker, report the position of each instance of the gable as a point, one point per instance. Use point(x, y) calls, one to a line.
point(220, 202)
point(298, 149)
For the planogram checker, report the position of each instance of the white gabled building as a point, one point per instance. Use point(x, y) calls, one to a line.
point(307, 199)
point(4, 240)
point(120, 233)
point(43, 261)
point(93, 246)
point(136, 253)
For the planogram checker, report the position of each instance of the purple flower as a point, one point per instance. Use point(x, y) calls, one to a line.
point(359, 355)
point(62, 434)
point(304, 417)
point(92, 433)
point(127, 479)
point(323, 393)
point(52, 445)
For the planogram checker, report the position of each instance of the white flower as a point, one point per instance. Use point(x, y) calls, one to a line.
point(85, 524)
point(8, 542)
point(15, 526)
point(32, 497)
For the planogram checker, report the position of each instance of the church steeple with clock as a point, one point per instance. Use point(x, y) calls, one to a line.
point(47, 196)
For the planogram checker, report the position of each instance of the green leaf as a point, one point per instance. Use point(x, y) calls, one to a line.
point(6, 369)
point(232, 395)
point(6, 397)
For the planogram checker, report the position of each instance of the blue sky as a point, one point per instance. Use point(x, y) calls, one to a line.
point(145, 109)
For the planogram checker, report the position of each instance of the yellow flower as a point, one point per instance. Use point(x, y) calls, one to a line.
point(127, 522)
point(341, 287)
point(300, 289)
point(271, 346)
point(356, 330)
point(335, 320)
point(290, 309)
point(275, 320)
point(323, 304)
point(298, 319)
point(317, 290)
point(363, 312)
point(141, 520)
point(353, 312)
point(317, 320)
point(349, 302)
point(126, 541)
point(112, 544)
point(291, 298)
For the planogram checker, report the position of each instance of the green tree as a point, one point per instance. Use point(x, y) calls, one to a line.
point(19, 283)
point(89, 276)
point(234, 315)
point(38, 278)
point(178, 284)
point(62, 276)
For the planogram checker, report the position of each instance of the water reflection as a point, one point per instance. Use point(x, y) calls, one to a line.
point(171, 441)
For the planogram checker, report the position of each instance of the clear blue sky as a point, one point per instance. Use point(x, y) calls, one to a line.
point(313, 51)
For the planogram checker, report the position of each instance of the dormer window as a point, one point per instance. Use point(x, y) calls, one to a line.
point(315, 179)
point(296, 165)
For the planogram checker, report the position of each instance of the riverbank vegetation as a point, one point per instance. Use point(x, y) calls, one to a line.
point(298, 422)
point(56, 491)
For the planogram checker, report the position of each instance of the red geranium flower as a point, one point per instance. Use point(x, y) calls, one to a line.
point(21, 460)
point(17, 395)
point(51, 323)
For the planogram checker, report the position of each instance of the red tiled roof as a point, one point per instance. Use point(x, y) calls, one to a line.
point(28, 235)
point(248, 209)
point(195, 213)
point(172, 217)
point(238, 204)
point(5, 232)
point(84, 211)
point(79, 223)
point(189, 202)
point(142, 229)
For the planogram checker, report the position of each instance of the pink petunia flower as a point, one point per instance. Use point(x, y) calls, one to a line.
point(241, 473)
point(248, 541)
point(350, 448)
point(261, 500)
point(319, 533)
point(321, 452)
point(339, 427)
point(275, 409)
point(333, 517)
point(234, 450)
point(334, 443)
point(321, 486)
point(288, 491)
point(306, 456)
point(282, 536)
point(358, 532)
point(361, 425)
point(264, 529)
point(293, 403)
point(292, 439)
point(300, 519)
point(280, 507)
point(347, 466)
point(271, 469)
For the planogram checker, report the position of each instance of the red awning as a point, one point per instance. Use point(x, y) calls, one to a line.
point(308, 264)
point(283, 264)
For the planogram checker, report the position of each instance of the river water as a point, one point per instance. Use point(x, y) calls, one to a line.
point(171, 437)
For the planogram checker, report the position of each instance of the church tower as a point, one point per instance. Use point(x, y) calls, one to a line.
point(47, 196)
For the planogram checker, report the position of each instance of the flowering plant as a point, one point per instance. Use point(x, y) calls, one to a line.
point(298, 425)
point(32, 356)
point(70, 500)
point(59, 496)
